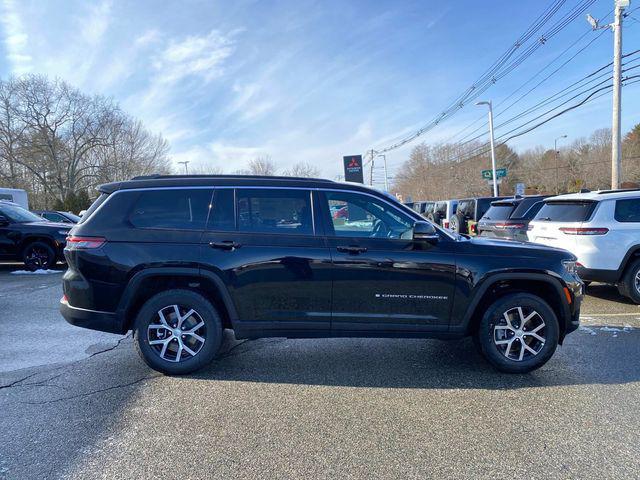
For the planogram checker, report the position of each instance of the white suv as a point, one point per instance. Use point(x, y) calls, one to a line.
point(602, 229)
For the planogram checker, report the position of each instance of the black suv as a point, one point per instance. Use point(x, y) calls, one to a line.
point(177, 259)
point(509, 218)
point(29, 238)
point(468, 212)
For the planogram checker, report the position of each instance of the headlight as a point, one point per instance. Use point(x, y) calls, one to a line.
point(570, 266)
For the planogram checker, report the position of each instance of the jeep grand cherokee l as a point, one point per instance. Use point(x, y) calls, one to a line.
point(177, 259)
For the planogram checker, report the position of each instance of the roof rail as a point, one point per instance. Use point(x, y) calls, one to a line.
point(619, 190)
point(257, 177)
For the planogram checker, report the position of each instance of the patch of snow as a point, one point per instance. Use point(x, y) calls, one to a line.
point(588, 330)
point(37, 272)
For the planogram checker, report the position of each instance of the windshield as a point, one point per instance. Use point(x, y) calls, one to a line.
point(565, 211)
point(499, 212)
point(19, 214)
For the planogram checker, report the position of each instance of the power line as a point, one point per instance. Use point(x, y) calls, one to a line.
point(503, 66)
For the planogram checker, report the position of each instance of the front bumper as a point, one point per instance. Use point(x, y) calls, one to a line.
point(91, 319)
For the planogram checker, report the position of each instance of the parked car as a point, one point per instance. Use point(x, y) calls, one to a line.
point(15, 195)
point(26, 237)
point(509, 218)
point(265, 257)
point(424, 208)
point(442, 213)
point(57, 216)
point(602, 229)
point(468, 212)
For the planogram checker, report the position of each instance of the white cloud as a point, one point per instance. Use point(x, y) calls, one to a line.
point(15, 38)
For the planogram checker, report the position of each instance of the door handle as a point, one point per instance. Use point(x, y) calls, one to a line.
point(225, 245)
point(351, 249)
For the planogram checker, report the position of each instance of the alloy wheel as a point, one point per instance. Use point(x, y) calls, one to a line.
point(177, 334)
point(520, 333)
point(636, 281)
point(37, 257)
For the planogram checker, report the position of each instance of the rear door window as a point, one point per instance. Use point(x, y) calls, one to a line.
point(180, 209)
point(275, 211)
point(566, 211)
point(628, 211)
point(499, 212)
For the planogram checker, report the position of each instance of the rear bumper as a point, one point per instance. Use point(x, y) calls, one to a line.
point(597, 275)
point(91, 319)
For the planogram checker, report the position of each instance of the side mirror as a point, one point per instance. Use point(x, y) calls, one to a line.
point(425, 231)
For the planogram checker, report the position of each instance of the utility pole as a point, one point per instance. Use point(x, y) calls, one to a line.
point(555, 152)
point(371, 152)
point(493, 152)
point(386, 177)
point(616, 154)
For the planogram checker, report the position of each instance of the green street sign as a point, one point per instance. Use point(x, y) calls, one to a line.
point(488, 174)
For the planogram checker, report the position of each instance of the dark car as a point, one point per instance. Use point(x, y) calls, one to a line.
point(58, 217)
point(29, 238)
point(509, 218)
point(177, 259)
point(468, 212)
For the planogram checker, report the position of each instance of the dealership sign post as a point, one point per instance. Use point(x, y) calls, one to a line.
point(353, 168)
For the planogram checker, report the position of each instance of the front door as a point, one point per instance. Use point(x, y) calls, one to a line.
point(272, 257)
point(383, 281)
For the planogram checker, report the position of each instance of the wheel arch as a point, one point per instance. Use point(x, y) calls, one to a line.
point(496, 286)
point(148, 282)
point(31, 238)
point(631, 256)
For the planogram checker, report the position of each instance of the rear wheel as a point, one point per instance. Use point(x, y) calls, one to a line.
point(518, 333)
point(177, 332)
point(630, 285)
point(38, 256)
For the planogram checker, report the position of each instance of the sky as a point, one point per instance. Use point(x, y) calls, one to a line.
point(306, 81)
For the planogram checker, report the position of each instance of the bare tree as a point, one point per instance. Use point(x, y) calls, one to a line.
point(262, 166)
point(56, 141)
point(302, 169)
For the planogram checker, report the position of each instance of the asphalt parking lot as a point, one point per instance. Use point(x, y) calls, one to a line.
point(80, 404)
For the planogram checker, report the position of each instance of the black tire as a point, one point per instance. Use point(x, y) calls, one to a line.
point(628, 286)
point(494, 317)
point(38, 256)
point(186, 300)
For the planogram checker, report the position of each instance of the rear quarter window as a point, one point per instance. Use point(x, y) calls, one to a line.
point(180, 209)
point(566, 211)
point(628, 211)
point(94, 206)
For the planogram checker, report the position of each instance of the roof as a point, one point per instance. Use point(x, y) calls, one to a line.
point(596, 196)
point(155, 181)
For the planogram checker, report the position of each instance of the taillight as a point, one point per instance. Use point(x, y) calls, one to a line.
point(583, 231)
point(85, 243)
point(445, 223)
point(509, 226)
point(474, 229)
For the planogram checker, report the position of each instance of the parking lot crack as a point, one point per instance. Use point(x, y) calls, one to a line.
point(94, 392)
point(16, 383)
point(118, 343)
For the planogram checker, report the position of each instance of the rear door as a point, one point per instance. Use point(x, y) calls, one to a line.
point(382, 280)
point(267, 247)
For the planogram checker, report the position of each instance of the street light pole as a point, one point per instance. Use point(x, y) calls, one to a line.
point(186, 169)
point(386, 177)
point(493, 152)
point(555, 150)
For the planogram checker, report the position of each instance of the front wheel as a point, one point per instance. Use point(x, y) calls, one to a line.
point(518, 333)
point(177, 332)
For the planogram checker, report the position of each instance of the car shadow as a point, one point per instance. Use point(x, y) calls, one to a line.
point(608, 292)
point(590, 356)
